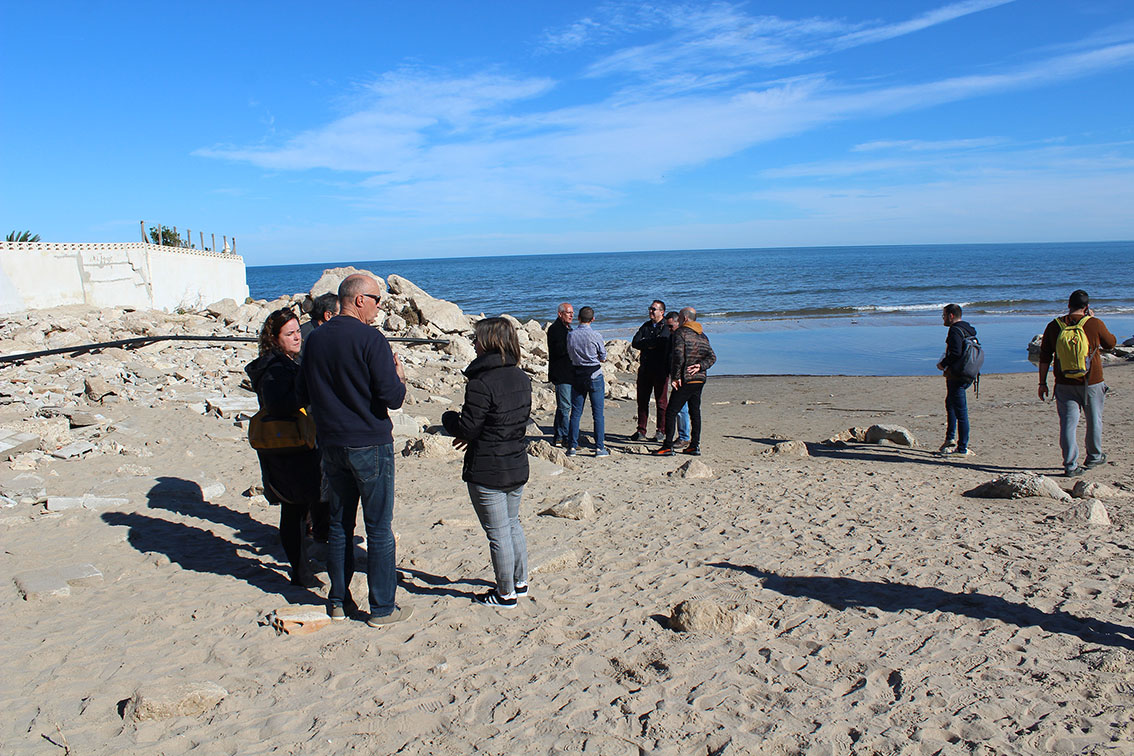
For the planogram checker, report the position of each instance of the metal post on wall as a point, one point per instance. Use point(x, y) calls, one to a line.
point(234, 245)
point(214, 247)
point(175, 233)
point(202, 233)
point(189, 238)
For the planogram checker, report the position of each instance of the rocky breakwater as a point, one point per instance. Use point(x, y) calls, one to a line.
point(83, 405)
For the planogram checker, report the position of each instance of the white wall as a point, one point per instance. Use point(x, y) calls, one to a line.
point(38, 275)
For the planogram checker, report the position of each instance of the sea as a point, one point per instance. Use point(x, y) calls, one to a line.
point(866, 310)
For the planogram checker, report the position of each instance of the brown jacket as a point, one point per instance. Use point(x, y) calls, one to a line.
point(1097, 336)
point(690, 347)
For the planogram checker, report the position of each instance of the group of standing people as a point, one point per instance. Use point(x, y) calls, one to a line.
point(1072, 344)
point(349, 379)
point(672, 369)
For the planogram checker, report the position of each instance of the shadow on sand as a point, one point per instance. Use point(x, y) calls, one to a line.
point(198, 549)
point(842, 593)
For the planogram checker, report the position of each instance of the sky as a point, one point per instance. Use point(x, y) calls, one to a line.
point(348, 131)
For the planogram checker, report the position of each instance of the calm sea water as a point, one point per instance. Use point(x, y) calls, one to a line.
point(817, 310)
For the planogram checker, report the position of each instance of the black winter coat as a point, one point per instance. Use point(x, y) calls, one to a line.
point(494, 421)
point(290, 476)
point(653, 341)
point(559, 367)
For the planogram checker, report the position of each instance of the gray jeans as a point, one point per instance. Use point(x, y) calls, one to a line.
point(499, 515)
point(1072, 400)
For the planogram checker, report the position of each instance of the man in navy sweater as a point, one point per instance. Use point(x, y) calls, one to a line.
point(351, 379)
point(956, 405)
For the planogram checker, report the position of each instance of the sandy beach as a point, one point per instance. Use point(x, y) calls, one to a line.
point(860, 602)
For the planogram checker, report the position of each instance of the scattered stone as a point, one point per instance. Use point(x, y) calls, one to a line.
point(98, 389)
point(543, 450)
point(55, 581)
point(787, 449)
point(1019, 486)
point(556, 562)
point(14, 442)
point(77, 449)
point(403, 287)
point(1090, 511)
point(212, 490)
point(430, 446)
point(233, 407)
point(407, 425)
point(578, 506)
point(894, 433)
point(253, 490)
point(225, 310)
point(62, 503)
point(298, 620)
point(700, 616)
point(80, 419)
point(693, 469)
point(1089, 489)
point(163, 699)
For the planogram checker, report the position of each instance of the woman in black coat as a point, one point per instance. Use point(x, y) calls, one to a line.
point(492, 428)
point(291, 476)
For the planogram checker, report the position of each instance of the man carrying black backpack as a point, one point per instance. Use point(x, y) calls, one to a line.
point(955, 365)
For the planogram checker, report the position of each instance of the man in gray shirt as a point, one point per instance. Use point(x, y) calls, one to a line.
point(587, 352)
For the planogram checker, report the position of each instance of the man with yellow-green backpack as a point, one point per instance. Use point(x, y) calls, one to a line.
point(1074, 341)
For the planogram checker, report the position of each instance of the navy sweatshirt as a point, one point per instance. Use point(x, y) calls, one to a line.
point(349, 381)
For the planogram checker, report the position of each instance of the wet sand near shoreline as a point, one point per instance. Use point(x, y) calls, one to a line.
point(875, 608)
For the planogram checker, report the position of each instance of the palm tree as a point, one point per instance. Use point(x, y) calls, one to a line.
point(26, 236)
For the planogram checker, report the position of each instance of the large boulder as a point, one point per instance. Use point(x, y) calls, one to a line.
point(446, 316)
point(404, 288)
point(1089, 511)
point(332, 277)
point(1019, 486)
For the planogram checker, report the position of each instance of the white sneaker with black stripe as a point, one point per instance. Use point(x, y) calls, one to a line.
point(492, 598)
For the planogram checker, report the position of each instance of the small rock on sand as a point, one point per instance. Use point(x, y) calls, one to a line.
point(1090, 511)
point(298, 620)
point(1019, 486)
point(1090, 489)
point(787, 449)
point(694, 468)
point(543, 450)
point(163, 699)
point(893, 433)
point(578, 506)
point(700, 616)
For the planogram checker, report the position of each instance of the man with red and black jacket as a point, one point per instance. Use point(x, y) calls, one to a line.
point(691, 357)
point(1075, 395)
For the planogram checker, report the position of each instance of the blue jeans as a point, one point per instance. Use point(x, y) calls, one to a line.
point(957, 412)
point(1070, 400)
point(363, 473)
point(683, 423)
point(562, 411)
point(499, 515)
point(593, 387)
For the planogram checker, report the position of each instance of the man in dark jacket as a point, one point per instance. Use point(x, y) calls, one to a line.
point(560, 371)
point(652, 340)
point(956, 405)
point(352, 379)
point(691, 356)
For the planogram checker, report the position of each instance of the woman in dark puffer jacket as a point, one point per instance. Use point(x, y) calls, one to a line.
point(491, 427)
point(291, 477)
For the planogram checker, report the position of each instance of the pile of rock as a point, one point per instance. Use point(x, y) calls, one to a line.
point(65, 404)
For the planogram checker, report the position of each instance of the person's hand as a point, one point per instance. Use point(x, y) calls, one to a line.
point(676, 384)
point(398, 369)
point(460, 443)
point(693, 369)
point(1043, 391)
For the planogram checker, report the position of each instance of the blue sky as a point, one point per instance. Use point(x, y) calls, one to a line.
point(356, 131)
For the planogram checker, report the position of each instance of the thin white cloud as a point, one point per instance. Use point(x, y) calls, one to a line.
point(921, 145)
point(924, 21)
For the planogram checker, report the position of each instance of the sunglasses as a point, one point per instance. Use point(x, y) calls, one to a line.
point(374, 297)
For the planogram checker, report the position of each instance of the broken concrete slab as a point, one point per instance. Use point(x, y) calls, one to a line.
point(76, 449)
point(15, 442)
point(55, 581)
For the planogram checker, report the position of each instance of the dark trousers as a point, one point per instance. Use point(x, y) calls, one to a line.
point(689, 393)
point(957, 413)
point(657, 385)
point(293, 526)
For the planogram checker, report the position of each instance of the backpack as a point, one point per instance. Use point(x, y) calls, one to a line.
point(1073, 349)
point(972, 358)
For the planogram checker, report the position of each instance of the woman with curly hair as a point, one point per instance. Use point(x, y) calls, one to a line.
point(491, 427)
point(291, 476)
